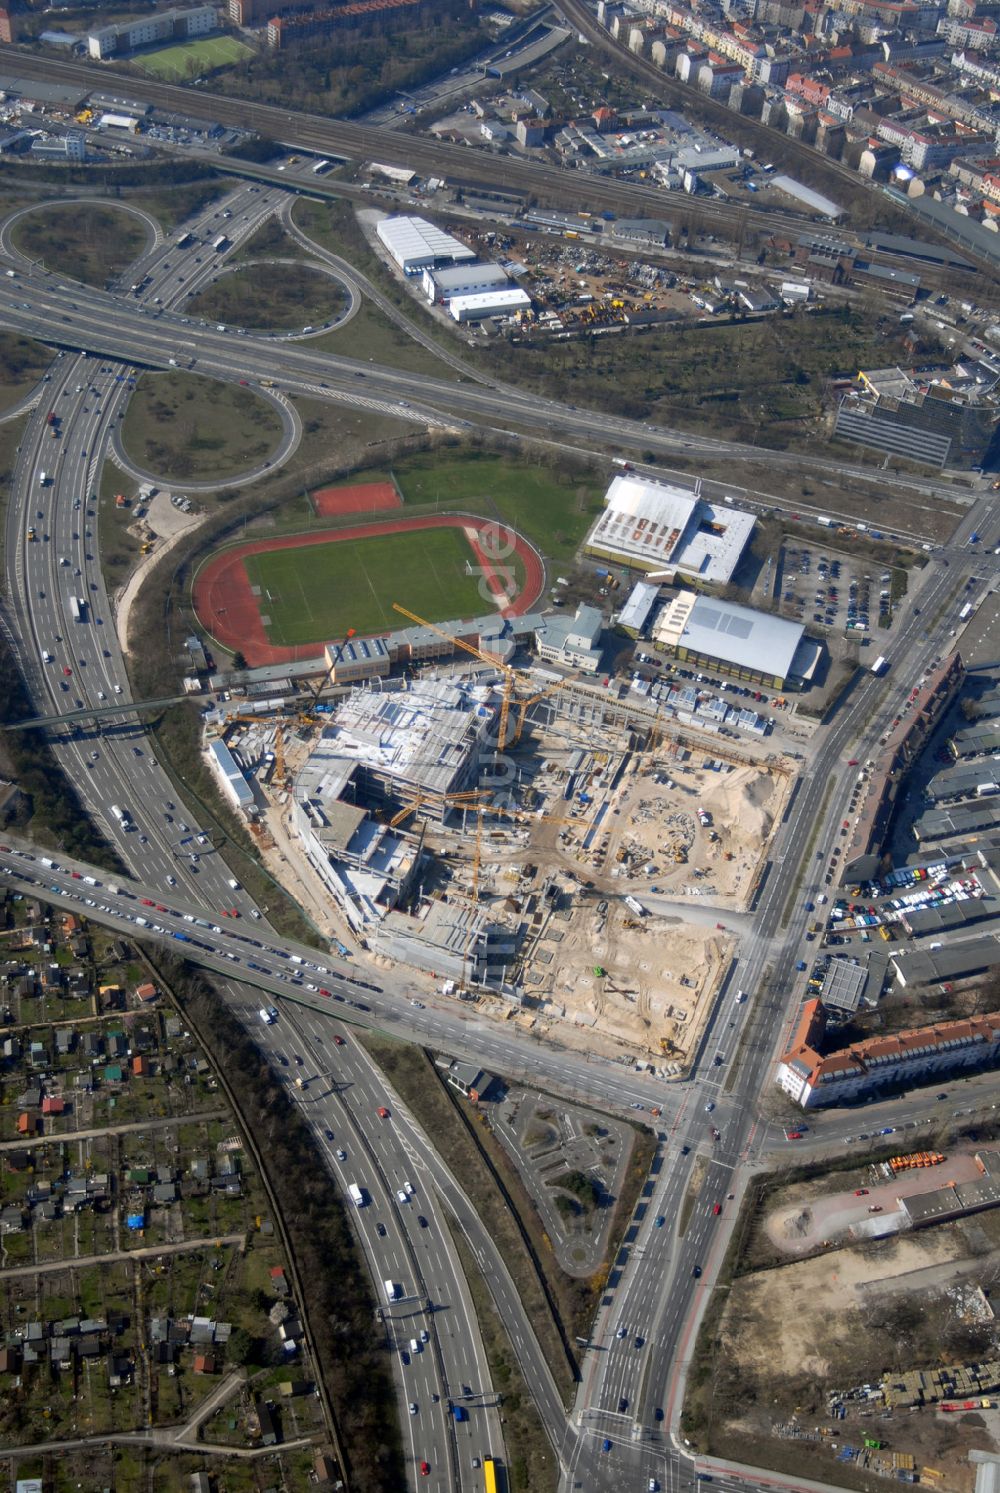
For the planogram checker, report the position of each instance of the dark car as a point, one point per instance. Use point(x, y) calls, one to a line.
point(380, 1230)
point(421, 1220)
point(658, 1413)
point(622, 1405)
point(696, 1272)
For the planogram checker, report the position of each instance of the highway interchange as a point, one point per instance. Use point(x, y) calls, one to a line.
point(656, 1295)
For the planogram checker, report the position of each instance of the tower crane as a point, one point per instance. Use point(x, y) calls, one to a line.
point(306, 713)
point(509, 675)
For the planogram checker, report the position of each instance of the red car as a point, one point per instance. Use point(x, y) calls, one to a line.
point(324, 992)
point(717, 1209)
point(76, 875)
point(861, 1192)
point(793, 1134)
point(234, 912)
point(852, 761)
point(382, 1113)
point(146, 902)
point(339, 1041)
point(67, 672)
point(160, 907)
point(425, 1469)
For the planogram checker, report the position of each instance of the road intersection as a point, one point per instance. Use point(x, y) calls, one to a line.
point(624, 1429)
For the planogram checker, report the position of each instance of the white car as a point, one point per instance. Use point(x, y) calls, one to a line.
point(171, 881)
point(118, 689)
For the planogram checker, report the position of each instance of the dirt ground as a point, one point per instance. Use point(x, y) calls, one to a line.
point(791, 1337)
point(657, 978)
point(600, 970)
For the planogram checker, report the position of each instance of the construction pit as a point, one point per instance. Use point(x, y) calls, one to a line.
point(621, 879)
point(618, 894)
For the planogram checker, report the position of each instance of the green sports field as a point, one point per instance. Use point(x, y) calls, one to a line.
point(313, 594)
point(191, 59)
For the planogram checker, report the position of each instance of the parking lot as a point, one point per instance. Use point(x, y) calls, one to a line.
point(822, 589)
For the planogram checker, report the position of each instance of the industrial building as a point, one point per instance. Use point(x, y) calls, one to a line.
point(744, 643)
point(640, 233)
point(490, 303)
point(877, 1064)
point(162, 26)
point(979, 740)
point(659, 528)
point(418, 245)
point(463, 279)
point(635, 615)
point(959, 961)
point(230, 778)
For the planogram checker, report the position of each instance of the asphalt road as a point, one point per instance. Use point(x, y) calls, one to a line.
point(655, 1293)
point(42, 306)
point(69, 664)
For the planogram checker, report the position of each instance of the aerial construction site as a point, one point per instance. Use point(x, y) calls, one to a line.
point(520, 839)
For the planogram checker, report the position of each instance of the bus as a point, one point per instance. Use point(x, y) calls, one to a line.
point(966, 612)
point(77, 607)
point(321, 168)
point(880, 665)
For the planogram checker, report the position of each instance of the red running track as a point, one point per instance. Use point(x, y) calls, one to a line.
point(229, 612)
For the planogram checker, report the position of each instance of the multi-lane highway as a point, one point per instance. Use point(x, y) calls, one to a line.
point(624, 1429)
point(58, 618)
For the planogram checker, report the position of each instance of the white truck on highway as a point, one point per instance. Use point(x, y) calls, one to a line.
point(357, 1195)
point(880, 665)
point(122, 815)
point(268, 1015)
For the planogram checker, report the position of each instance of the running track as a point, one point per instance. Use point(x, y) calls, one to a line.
point(228, 610)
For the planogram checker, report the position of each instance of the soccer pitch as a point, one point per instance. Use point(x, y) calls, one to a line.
point(193, 58)
point(314, 594)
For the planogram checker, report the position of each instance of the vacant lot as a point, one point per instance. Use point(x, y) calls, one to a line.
point(319, 592)
point(84, 240)
point(22, 363)
point(759, 381)
point(194, 58)
point(271, 297)
point(184, 426)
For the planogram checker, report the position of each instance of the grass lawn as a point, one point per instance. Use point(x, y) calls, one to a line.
point(371, 337)
point(283, 297)
point(171, 205)
point(86, 241)
point(193, 58)
point(319, 592)
point(552, 509)
point(22, 363)
point(183, 426)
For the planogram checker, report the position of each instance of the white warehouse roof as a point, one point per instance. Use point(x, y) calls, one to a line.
point(659, 528)
point(415, 243)
point(459, 278)
point(489, 303)
point(735, 635)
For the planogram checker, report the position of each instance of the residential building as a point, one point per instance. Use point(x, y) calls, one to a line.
point(876, 1065)
point(161, 26)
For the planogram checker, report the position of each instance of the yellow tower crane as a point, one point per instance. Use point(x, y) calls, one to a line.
point(509, 674)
